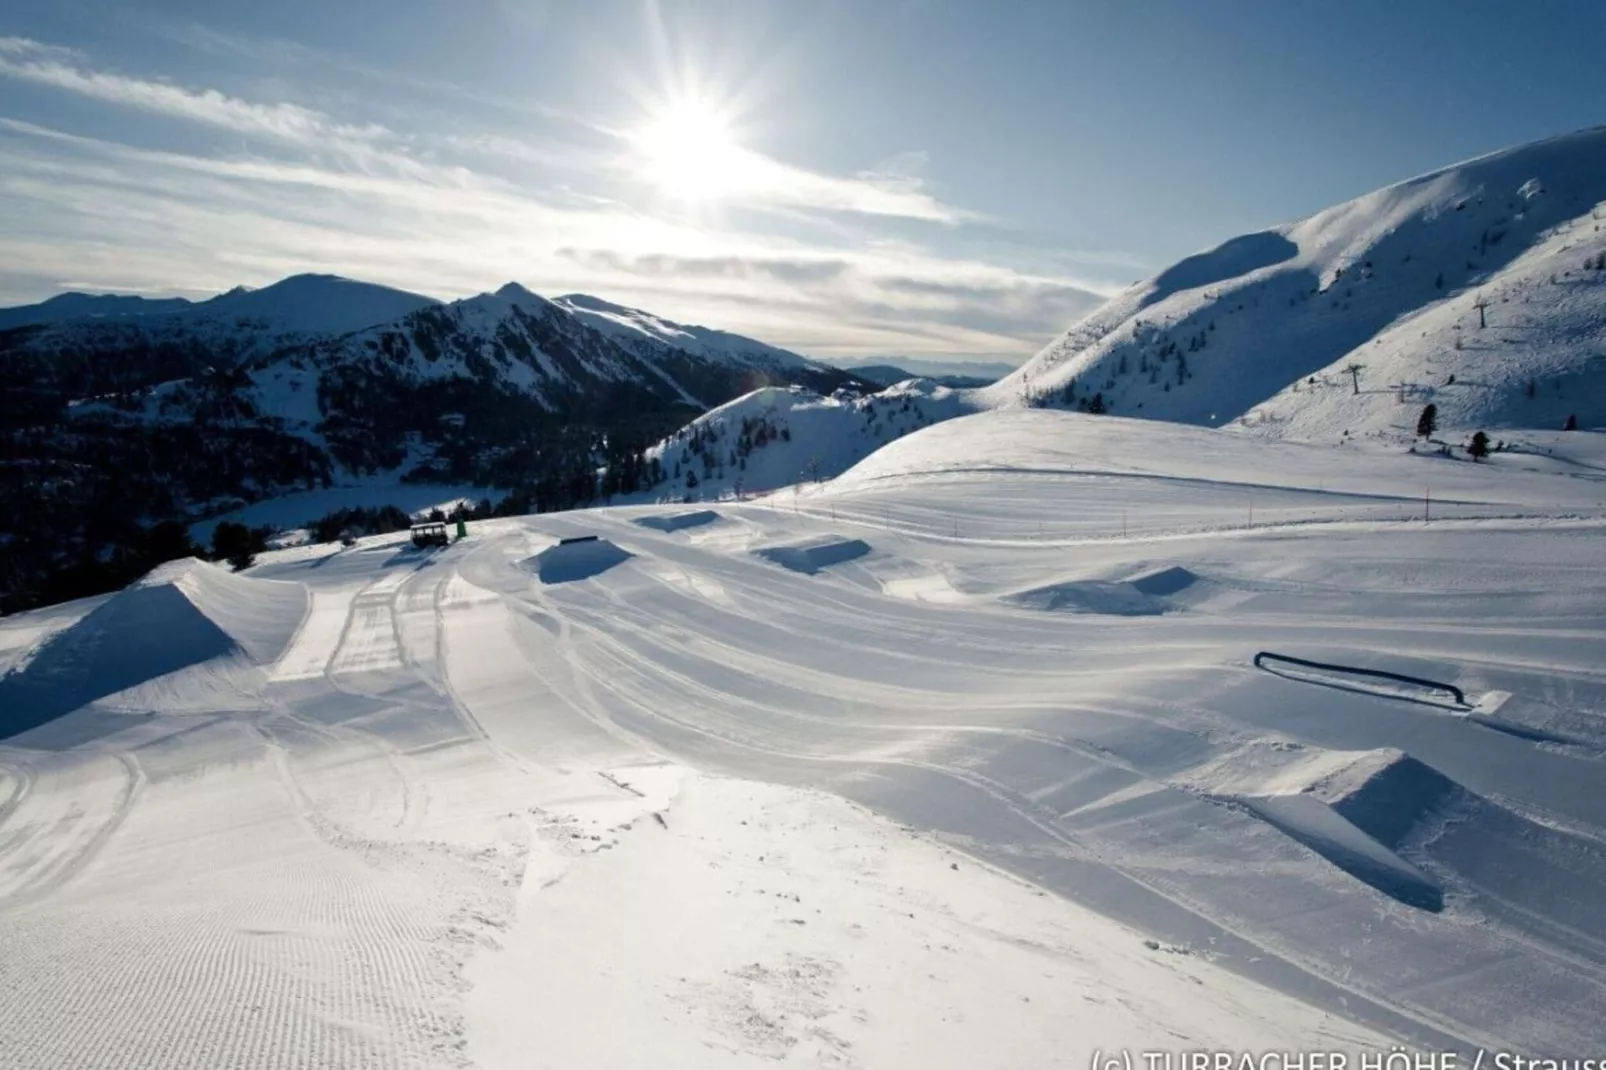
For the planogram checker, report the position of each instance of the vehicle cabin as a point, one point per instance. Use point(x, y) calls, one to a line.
point(431, 534)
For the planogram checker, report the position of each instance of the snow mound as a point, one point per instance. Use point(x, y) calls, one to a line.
point(573, 560)
point(1357, 809)
point(187, 635)
point(1144, 595)
point(814, 555)
point(1089, 596)
point(679, 521)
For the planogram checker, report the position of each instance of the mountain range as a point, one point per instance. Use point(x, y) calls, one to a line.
point(1479, 289)
point(120, 413)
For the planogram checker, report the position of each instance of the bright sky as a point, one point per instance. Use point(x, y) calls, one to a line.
point(841, 177)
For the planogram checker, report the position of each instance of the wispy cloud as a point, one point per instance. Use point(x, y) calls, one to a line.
point(417, 210)
point(24, 47)
point(31, 62)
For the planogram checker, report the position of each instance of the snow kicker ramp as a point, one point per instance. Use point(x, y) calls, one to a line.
point(575, 559)
point(679, 521)
point(1142, 596)
point(1406, 829)
point(187, 636)
point(815, 555)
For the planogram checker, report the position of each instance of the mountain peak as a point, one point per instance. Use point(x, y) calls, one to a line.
point(517, 292)
point(590, 303)
point(319, 303)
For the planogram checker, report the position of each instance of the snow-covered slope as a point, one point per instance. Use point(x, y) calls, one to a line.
point(892, 370)
point(1263, 329)
point(511, 341)
point(777, 437)
point(69, 306)
point(632, 325)
point(313, 305)
point(964, 758)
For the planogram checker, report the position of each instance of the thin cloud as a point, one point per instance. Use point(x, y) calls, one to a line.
point(317, 193)
point(25, 47)
point(282, 122)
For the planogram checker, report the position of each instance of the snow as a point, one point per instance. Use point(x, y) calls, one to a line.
point(293, 511)
point(567, 562)
point(315, 304)
point(1261, 332)
point(632, 324)
point(823, 437)
point(380, 806)
point(69, 306)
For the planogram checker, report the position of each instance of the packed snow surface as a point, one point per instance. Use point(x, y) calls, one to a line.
point(379, 806)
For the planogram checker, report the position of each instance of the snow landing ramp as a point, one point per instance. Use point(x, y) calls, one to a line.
point(188, 636)
point(814, 555)
point(679, 521)
point(575, 559)
point(1357, 809)
point(1145, 595)
point(1418, 835)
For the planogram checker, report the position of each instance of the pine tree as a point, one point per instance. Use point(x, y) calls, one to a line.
point(1571, 424)
point(1479, 447)
point(1096, 406)
point(1428, 422)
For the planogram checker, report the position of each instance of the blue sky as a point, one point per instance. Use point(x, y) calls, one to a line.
point(843, 177)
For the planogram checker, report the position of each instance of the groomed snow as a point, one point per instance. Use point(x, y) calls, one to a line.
point(704, 809)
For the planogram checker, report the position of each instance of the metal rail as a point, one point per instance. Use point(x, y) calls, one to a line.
point(1350, 670)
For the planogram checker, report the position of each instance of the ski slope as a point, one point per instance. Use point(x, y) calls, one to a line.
point(1262, 331)
point(959, 759)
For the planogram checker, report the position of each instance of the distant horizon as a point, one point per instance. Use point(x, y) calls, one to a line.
point(836, 360)
point(815, 176)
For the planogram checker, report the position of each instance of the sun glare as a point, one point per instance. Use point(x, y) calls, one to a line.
point(689, 151)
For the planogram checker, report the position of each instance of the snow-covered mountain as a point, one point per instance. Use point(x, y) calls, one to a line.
point(890, 370)
point(1262, 330)
point(232, 326)
point(648, 334)
point(520, 344)
point(72, 306)
point(312, 305)
point(777, 437)
point(106, 345)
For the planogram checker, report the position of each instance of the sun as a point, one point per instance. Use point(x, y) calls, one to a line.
point(689, 150)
